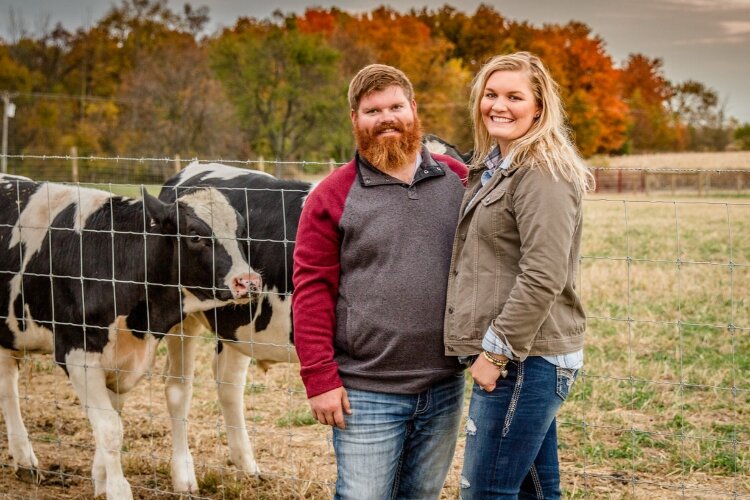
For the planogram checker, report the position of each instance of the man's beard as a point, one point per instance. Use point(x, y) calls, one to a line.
point(389, 153)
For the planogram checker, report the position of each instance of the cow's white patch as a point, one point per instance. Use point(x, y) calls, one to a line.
point(271, 344)
point(214, 209)
point(10, 178)
point(36, 338)
point(216, 171)
point(436, 147)
point(85, 373)
point(45, 205)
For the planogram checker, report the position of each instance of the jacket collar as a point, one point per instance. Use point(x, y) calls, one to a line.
point(482, 191)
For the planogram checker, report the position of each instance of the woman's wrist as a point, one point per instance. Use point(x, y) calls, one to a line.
point(498, 360)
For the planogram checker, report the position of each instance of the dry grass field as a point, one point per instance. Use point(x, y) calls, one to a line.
point(729, 160)
point(661, 410)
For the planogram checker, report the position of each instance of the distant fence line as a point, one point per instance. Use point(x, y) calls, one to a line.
point(701, 182)
point(143, 170)
point(155, 170)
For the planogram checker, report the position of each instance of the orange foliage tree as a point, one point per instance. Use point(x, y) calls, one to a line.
point(652, 127)
point(404, 41)
point(284, 81)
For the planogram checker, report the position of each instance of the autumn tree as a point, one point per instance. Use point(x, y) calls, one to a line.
point(171, 103)
point(403, 41)
point(652, 126)
point(589, 85)
point(142, 81)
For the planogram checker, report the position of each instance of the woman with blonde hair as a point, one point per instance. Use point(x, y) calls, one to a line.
point(512, 308)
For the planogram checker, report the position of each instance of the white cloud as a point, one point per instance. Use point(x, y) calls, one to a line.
point(715, 40)
point(736, 27)
point(712, 5)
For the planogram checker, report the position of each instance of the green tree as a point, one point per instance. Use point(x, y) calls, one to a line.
point(700, 109)
point(742, 136)
point(286, 88)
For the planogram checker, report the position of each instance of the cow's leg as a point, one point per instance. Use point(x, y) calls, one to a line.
point(179, 389)
point(24, 459)
point(230, 370)
point(99, 470)
point(87, 377)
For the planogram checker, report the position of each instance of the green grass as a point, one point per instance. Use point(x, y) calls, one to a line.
point(131, 190)
point(666, 382)
point(296, 418)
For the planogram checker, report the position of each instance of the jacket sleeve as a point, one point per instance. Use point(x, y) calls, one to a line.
point(316, 284)
point(547, 213)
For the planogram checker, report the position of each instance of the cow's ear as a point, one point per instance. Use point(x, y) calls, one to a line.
point(162, 214)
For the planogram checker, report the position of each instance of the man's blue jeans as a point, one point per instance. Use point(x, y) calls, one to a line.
point(398, 446)
point(511, 434)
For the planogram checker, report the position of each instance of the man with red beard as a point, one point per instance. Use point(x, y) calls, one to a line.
point(370, 272)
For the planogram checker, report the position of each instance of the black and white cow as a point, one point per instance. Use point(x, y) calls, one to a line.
point(97, 280)
point(261, 329)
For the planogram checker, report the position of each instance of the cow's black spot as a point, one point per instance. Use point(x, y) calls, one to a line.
point(264, 318)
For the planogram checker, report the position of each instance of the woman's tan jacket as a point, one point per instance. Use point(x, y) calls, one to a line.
point(514, 265)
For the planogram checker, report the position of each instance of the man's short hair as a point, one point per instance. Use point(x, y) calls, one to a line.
point(374, 78)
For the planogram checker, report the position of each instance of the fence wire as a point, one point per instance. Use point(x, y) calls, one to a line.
point(660, 408)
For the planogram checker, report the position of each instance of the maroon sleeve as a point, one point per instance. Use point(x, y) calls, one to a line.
point(316, 280)
point(456, 166)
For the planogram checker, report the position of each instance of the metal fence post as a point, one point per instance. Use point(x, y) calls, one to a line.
point(74, 163)
point(6, 107)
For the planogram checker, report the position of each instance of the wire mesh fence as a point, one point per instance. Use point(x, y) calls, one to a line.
point(705, 181)
point(660, 408)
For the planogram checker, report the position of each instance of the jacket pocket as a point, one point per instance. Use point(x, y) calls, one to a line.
point(494, 196)
point(488, 213)
point(565, 379)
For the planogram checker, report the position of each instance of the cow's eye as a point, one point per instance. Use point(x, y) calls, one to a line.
point(198, 239)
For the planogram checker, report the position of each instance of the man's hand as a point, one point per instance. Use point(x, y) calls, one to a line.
point(329, 408)
point(485, 374)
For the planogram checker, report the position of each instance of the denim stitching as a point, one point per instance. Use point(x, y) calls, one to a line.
point(565, 379)
point(537, 483)
point(514, 400)
point(427, 402)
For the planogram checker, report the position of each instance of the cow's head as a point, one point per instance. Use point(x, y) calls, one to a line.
point(210, 261)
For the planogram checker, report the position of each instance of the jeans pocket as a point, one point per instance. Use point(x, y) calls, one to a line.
point(565, 379)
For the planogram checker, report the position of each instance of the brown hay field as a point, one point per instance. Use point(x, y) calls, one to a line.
point(661, 409)
point(729, 160)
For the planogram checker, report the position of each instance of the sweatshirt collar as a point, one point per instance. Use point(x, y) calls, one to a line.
point(426, 166)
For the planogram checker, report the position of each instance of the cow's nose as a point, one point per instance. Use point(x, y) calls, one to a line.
point(245, 284)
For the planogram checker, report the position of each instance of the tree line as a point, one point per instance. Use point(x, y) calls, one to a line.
point(146, 80)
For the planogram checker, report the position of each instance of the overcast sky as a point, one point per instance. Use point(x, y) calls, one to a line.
point(704, 40)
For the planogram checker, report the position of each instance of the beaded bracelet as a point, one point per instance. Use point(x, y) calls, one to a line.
point(500, 363)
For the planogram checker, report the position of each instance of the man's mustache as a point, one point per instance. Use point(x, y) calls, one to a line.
point(390, 125)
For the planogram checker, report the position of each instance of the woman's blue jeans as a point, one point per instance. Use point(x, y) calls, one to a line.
point(398, 446)
point(511, 435)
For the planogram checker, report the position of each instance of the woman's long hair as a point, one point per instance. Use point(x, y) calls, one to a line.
point(547, 143)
